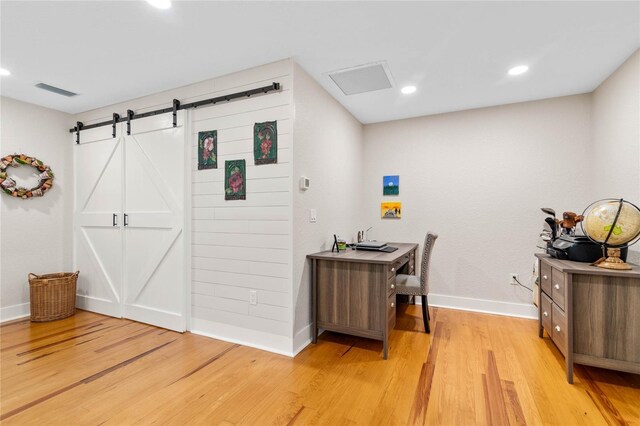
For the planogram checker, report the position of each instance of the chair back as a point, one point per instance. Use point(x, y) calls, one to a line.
point(429, 241)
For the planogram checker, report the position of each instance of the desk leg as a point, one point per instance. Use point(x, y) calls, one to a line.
point(314, 303)
point(385, 351)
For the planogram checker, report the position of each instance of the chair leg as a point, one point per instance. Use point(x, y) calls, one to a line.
point(425, 314)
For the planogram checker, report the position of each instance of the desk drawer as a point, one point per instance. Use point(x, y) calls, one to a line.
point(391, 311)
point(392, 269)
point(559, 331)
point(558, 288)
point(412, 263)
point(391, 285)
point(545, 309)
point(545, 277)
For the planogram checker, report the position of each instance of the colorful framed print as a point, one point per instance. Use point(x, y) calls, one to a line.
point(391, 210)
point(391, 185)
point(235, 180)
point(208, 150)
point(265, 142)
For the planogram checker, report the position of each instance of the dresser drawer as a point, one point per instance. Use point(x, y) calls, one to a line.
point(559, 329)
point(558, 288)
point(391, 311)
point(545, 309)
point(545, 277)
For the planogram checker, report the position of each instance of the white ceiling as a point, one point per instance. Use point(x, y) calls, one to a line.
point(456, 53)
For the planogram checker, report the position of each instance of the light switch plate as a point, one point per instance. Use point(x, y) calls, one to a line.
point(253, 297)
point(313, 216)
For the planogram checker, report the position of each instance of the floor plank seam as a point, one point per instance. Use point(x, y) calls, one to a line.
point(86, 380)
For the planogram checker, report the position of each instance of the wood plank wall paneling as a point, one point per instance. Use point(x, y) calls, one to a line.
point(238, 246)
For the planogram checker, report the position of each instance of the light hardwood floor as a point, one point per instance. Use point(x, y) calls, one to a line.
point(472, 369)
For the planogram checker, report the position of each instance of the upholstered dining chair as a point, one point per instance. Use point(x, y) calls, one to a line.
point(411, 285)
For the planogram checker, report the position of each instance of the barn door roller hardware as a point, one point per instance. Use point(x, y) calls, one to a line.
point(77, 129)
point(116, 117)
point(129, 117)
point(176, 106)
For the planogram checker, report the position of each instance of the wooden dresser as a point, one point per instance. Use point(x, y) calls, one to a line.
point(354, 291)
point(591, 314)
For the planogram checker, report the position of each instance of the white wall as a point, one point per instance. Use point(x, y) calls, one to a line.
point(328, 149)
point(238, 245)
point(478, 178)
point(35, 234)
point(616, 137)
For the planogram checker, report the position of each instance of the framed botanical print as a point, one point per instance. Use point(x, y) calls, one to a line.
point(235, 180)
point(265, 142)
point(208, 150)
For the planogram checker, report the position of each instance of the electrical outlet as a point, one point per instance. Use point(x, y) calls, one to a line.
point(253, 297)
point(513, 278)
point(313, 216)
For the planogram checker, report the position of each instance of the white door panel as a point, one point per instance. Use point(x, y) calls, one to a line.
point(98, 243)
point(154, 289)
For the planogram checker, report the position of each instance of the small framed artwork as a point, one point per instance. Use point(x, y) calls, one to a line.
point(391, 185)
point(265, 142)
point(391, 210)
point(208, 150)
point(235, 178)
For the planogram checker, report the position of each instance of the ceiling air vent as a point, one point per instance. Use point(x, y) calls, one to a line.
point(363, 78)
point(54, 89)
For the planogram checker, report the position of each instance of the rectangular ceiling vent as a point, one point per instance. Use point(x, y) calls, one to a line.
point(363, 78)
point(56, 90)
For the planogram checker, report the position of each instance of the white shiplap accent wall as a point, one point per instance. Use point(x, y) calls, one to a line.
point(244, 245)
point(237, 245)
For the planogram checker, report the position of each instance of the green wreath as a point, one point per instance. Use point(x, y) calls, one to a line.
point(9, 185)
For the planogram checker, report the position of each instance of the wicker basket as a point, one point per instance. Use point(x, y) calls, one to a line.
point(53, 296)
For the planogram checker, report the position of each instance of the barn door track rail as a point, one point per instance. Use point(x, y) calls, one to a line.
point(176, 106)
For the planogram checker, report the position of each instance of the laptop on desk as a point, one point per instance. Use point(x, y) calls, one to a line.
point(375, 246)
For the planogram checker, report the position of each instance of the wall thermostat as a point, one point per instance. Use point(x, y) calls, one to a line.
point(304, 183)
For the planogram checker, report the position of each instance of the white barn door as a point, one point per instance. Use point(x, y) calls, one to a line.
point(154, 263)
point(98, 221)
point(129, 242)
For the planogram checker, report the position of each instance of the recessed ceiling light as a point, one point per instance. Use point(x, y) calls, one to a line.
point(160, 4)
point(407, 90)
point(4, 72)
point(520, 69)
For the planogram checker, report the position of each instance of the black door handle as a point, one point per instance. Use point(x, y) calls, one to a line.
point(126, 219)
point(115, 220)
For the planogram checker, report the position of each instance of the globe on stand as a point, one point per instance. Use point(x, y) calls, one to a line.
point(614, 224)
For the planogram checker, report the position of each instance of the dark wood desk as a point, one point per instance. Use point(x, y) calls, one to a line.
point(354, 291)
point(591, 314)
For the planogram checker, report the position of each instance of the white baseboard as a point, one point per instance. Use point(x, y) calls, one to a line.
point(301, 340)
point(520, 310)
point(282, 345)
point(13, 312)
point(98, 305)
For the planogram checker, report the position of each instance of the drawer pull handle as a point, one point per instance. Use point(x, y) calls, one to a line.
point(393, 269)
point(557, 286)
point(544, 277)
point(545, 313)
point(393, 304)
point(558, 328)
point(393, 286)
